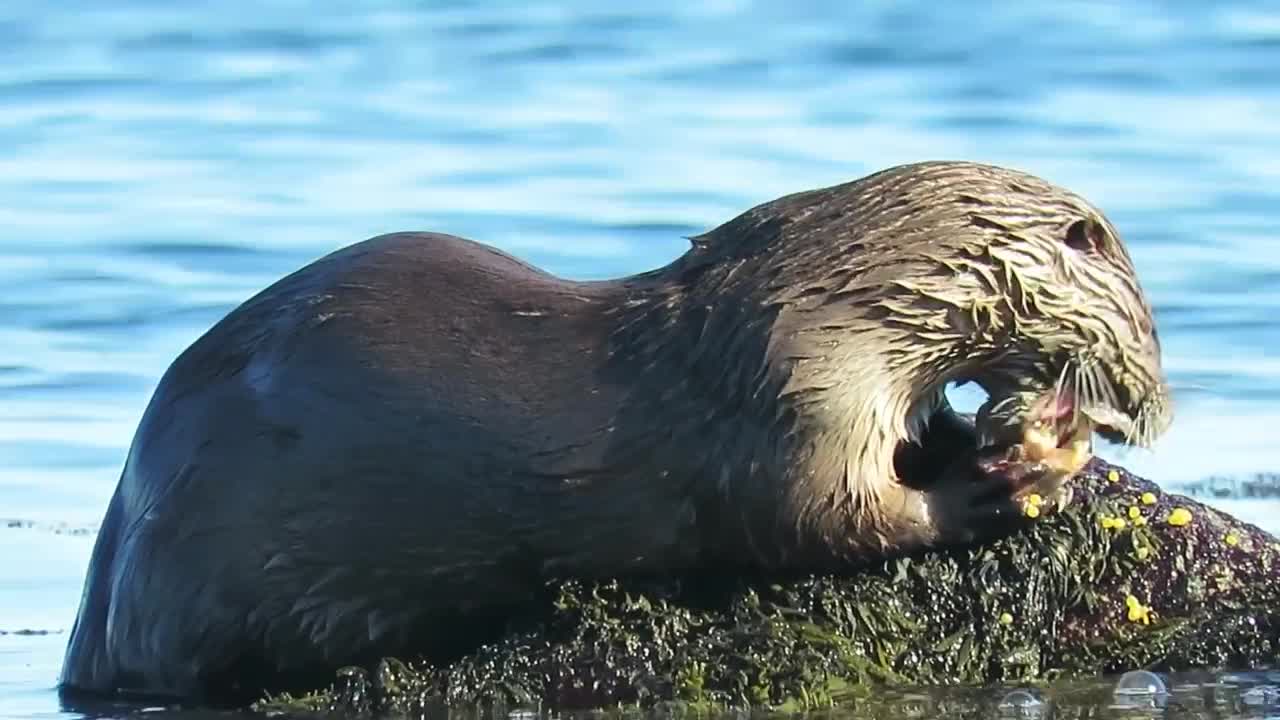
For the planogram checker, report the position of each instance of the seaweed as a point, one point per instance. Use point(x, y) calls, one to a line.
point(1126, 576)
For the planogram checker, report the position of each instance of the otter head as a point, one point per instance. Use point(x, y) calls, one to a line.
point(1064, 339)
point(901, 283)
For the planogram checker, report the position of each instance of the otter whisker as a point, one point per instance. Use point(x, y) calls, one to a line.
point(1107, 389)
point(1062, 378)
point(1001, 404)
point(1078, 384)
point(1135, 435)
point(1146, 421)
point(1178, 387)
point(1060, 388)
point(1090, 393)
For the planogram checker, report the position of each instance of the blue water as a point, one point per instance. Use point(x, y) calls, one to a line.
point(160, 162)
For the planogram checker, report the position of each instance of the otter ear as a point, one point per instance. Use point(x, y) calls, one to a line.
point(1085, 235)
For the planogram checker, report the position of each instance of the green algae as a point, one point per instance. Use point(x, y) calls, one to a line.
point(1075, 594)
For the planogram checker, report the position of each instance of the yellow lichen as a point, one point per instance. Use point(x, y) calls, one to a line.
point(1231, 539)
point(1137, 611)
point(1113, 476)
point(1179, 517)
point(1031, 505)
point(1112, 523)
point(1006, 618)
point(1134, 512)
point(1148, 498)
point(1139, 521)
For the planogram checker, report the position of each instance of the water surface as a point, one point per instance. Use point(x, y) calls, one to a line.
point(161, 162)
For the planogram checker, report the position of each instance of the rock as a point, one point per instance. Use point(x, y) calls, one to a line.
point(1126, 576)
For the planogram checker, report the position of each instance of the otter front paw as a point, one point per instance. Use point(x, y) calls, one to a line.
point(997, 493)
point(970, 504)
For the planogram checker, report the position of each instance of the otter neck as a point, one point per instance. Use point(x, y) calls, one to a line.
point(811, 434)
point(858, 407)
point(700, 409)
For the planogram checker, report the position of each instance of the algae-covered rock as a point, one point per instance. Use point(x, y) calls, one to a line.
point(1126, 576)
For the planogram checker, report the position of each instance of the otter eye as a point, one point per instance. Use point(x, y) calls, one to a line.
point(1085, 235)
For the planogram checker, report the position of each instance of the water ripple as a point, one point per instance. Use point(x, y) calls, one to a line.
point(163, 162)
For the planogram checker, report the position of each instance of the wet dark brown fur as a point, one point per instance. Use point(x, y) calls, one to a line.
point(419, 424)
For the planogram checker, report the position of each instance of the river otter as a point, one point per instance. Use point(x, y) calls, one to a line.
point(419, 424)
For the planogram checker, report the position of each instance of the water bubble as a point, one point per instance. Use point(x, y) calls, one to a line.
point(1022, 703)
point(1140, 688)
point(1140, 682)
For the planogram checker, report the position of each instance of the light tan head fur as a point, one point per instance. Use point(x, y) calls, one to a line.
point(884, 290)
